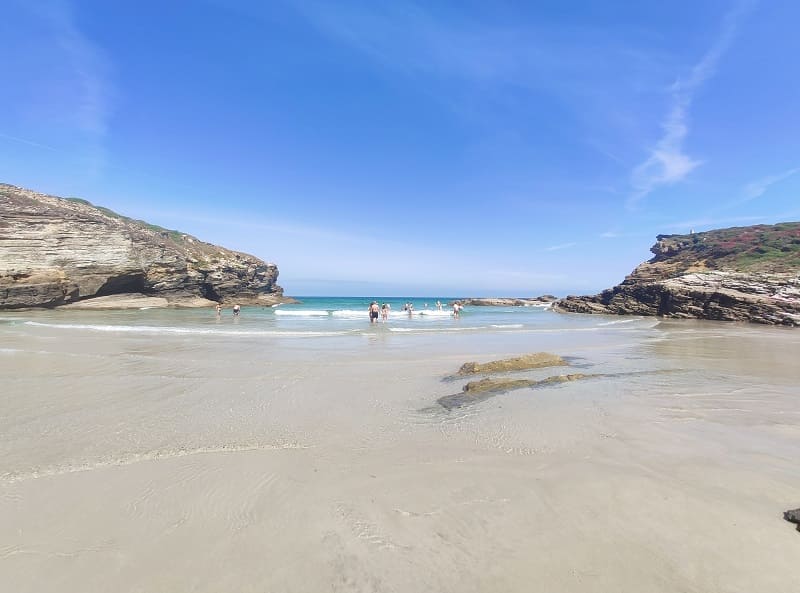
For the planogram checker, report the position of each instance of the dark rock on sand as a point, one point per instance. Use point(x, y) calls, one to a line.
point(737, 274)
point(56, 251)
point(477, 391)
point(521, 363)
point(793, 517)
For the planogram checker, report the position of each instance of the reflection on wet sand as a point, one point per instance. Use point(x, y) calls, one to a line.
point(242, 463)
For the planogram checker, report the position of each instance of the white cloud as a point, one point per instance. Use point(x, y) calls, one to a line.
point(754, 190)
point(559, 247)
point(668, 162)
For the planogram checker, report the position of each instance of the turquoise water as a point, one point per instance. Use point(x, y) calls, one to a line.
point(318, 317)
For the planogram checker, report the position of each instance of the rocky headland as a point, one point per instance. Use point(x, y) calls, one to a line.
point(539, 301)
point(736, 274)
point(56, 251)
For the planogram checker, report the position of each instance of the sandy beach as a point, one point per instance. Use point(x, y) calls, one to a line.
point(133, 461)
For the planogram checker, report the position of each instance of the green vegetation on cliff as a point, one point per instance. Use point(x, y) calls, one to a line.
point(173, 234)
point(759, 248)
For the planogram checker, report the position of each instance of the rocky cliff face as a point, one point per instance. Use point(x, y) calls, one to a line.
point(56, 251)
point(738, 274)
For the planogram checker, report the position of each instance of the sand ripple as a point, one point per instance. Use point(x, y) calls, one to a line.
point(14, 477)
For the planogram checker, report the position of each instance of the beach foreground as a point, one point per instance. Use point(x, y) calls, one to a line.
point(167, 459)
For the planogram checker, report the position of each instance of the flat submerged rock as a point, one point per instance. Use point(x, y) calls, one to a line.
point(477, 391)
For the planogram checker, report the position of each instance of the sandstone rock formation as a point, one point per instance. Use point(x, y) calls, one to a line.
point(56, 251)
point(737, 274)
point(525, 362)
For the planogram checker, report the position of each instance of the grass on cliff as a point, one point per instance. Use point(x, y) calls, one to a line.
point(173, 234)
point(768, 248)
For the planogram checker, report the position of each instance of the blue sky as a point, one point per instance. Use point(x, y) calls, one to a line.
point(436, 148)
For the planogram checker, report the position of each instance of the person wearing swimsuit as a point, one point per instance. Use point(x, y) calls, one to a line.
point(373, 312)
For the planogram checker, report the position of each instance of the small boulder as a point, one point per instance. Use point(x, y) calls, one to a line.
point(793, 517)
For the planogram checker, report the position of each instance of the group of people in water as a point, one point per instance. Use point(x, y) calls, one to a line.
point(383, 310)
point(375, 311)
point(236, 310)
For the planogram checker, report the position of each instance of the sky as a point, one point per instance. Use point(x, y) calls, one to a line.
point(411, 148)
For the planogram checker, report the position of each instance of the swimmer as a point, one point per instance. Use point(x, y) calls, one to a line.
point(373, 312)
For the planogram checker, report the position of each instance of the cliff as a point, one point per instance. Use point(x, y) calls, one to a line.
point(736, 274)
point(56, 251)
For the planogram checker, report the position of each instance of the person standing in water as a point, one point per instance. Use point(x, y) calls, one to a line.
point(219, 309)
point(456, 309)
point(373, 312)
point(236, 309)
point(385, 312)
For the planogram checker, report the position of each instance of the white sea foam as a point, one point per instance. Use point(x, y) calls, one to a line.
point(435, 313)
point(350, 313)
point(149, 329)
point(619, 321)
point(508, 326)
point(301, 313)
point(434, 329)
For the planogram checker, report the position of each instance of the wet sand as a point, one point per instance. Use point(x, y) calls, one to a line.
point(134, 462)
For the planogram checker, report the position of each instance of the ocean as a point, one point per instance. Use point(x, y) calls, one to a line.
point(319, 317)
point(301, 448)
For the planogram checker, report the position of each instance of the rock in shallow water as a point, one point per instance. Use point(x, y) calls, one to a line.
point(526, 362)
point(477, 391)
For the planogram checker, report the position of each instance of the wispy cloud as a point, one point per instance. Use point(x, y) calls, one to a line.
point(699, 223)
point(458, 50)
point(756, 189)
point(406, 37)
point(91, 93)
point(284, 228)
point(668, 162)
point(28, 142)
point(559, 247)
point(63, 96)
